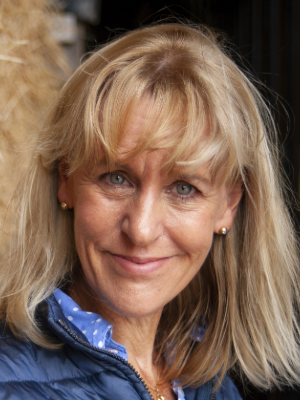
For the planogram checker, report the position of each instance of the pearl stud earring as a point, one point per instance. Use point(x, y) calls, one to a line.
point(64, 206)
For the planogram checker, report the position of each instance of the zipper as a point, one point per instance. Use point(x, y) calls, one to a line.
point(212, 396)
point(75, 337)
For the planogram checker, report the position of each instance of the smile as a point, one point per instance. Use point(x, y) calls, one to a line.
point(140, 265)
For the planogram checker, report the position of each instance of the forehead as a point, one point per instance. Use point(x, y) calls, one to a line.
point(145, 125)
point(183, 133)
point(136, 130)
point(136, 149)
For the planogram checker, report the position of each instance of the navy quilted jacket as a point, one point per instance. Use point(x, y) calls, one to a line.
point(77, 371)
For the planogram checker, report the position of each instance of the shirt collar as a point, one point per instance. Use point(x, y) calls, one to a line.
point(96, 329)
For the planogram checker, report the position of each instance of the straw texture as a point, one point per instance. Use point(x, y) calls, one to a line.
point(32, 70)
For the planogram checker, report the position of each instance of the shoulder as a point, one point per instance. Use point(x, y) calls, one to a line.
point(227, 391)
point(18, 358)
point(30, 371)
point(24, 361)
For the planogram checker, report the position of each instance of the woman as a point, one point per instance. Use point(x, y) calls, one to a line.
point(169, 257)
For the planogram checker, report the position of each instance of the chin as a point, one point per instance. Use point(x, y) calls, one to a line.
point(134, 307)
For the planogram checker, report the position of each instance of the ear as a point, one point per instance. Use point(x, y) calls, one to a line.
point(65, 192)
point(231, 203)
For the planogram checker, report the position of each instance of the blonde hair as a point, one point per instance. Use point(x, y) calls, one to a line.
point(202, 107)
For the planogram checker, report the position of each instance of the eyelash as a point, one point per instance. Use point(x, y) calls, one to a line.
point(178, 196)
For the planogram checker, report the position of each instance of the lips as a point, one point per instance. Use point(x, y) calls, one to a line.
point(141, 260)
point(139, 265)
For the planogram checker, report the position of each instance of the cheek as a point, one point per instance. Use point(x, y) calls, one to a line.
point(97, 220)
point(192, 231)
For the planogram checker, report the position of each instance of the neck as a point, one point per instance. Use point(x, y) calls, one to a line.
point(137, 334)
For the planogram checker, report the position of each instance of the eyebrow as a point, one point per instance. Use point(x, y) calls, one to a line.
point(195, 177)
point(117, 165)
point(124, 166)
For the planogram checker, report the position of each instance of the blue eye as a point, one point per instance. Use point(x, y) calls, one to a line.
point(116, 179)
point(183, 188)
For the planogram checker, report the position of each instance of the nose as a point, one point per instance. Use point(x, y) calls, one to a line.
point(143, 222)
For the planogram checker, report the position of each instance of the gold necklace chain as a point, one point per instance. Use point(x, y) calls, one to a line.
point(156, 390)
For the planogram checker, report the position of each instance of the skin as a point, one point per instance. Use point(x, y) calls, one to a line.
point(123, 219)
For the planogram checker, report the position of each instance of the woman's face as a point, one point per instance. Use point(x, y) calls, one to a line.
point(141, 235)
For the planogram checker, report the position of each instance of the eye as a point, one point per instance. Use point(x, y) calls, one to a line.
point(184, 188)
point(116, 179)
